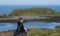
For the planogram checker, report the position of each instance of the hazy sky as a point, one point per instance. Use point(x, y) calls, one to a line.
point(29, 2)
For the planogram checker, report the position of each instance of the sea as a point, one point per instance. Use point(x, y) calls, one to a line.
point(7, 9)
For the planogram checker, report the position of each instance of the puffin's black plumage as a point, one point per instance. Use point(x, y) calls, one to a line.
point(20, 31)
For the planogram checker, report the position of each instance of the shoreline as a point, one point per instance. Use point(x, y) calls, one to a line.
point(26, 18)
point(13, 19)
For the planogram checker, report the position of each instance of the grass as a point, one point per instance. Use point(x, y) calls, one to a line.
point(8, 33)
point(36, 14)
point(36, 32)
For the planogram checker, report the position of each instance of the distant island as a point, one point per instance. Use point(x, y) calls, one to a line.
point(34, 12)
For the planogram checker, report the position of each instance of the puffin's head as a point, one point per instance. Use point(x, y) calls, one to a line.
point(20, 20)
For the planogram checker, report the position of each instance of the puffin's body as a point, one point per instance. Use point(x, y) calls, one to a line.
point(20, 31)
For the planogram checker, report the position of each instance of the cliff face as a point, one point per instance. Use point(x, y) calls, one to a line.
point(32, 11)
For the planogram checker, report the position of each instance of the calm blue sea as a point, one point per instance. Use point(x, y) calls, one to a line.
point(38, 24)
point(7, 9)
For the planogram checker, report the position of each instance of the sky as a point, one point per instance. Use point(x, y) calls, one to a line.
point(29, 2)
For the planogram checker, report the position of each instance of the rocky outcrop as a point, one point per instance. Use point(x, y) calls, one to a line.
point(3, 15)
point(55, 18)
point(57, 26)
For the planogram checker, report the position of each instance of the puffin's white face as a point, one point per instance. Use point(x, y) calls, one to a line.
point(20, 20)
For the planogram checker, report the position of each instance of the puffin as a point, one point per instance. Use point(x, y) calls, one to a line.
point(20, 31)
